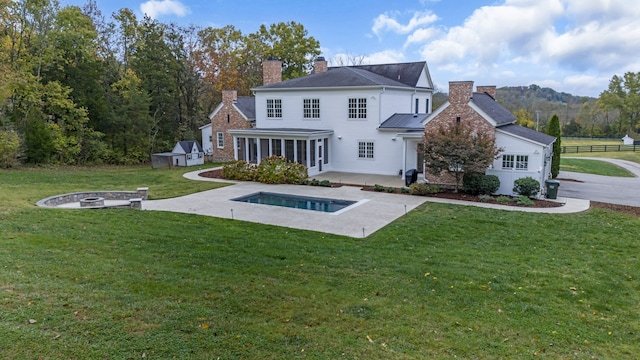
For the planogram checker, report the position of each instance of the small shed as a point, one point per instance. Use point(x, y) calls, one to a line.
point(627, 140)
point(185, 153)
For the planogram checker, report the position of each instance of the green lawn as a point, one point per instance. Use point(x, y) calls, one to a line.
point(441, 282)
point(596, 167)
point(622, 155)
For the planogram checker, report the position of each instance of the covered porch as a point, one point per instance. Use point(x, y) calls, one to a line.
point(308, 147)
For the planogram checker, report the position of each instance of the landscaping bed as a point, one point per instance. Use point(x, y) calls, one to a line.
point(444, 193)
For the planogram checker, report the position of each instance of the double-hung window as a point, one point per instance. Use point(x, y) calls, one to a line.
point(274, 108)
point(517, 162)
point(220, 139)
point(311, 108)
point(522, 162)
point(365, 149)
point(357, 108)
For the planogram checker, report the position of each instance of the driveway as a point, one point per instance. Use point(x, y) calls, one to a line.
point(606, 189)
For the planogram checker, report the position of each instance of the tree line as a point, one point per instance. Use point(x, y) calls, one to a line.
point(77, 87)
point(613, 114)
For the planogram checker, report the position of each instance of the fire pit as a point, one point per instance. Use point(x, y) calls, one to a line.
point(92, 202)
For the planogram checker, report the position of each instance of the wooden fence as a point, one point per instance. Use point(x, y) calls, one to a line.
point(599, 148)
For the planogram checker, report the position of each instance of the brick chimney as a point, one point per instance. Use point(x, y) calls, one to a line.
point(271, 71)
point(229, 96)
point(491, 90)
point(460, 92)
point(320, 65)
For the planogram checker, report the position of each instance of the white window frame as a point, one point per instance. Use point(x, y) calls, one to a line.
point(311, 108)
point(357, 108)
point(274, 108)
point(220, 139)
point(522, 162)
point(515, 162)
point(366, 149)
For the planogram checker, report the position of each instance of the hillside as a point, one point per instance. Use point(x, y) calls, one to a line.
point(575, 112)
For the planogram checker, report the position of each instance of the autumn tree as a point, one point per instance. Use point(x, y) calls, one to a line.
point(524, 118)
point(553, 129)
point(623, 96)
point(458, 149)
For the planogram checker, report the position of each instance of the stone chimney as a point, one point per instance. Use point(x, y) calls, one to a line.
point(320, 65)
point(229, 96)
point(271, 71)
point(491, 90)
point(460, 92)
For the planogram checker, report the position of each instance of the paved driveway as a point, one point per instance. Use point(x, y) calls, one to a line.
point(607, 189)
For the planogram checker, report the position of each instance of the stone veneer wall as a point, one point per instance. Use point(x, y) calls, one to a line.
point(135, 197)
point(460, 94)
point(226, 119)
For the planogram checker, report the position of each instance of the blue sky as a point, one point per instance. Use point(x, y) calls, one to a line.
point(574, 46)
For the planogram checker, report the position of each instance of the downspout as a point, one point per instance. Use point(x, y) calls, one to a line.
point(380, 105)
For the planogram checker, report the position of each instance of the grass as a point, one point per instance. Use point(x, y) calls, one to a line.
point(441, 282)
point(621, 155)
point(595, 167)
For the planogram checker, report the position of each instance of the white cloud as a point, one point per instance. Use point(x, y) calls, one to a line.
point(384, 57)
point(156, 8)
point(387, 22)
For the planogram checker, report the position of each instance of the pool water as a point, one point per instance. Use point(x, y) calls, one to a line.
point(295, 201)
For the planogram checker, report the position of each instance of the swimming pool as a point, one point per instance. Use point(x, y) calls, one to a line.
point(296, 201)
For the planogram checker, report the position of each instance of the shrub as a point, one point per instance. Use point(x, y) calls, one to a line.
point(277, 170)
point(480, 184)
point(503, 199)
point(378, 187)
point(404, 190)
point(391, 189)
point(316, 182)
point(272, 170)
point(485, 198)
point(524, 201)
point(239, 170)
point(526, 186)
point(423, 189)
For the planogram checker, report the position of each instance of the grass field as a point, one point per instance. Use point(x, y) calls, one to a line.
point(622, 155)
point(441, 282)
point(596, 167)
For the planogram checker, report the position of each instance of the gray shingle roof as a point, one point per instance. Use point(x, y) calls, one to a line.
point(492, 108)
point(187, 145)
point(406, 73)
point(528, 133)
point(247, 106)
point(404, 121)
point(400, 75)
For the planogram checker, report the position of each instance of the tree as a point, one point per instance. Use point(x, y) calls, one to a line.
point(554, 130)
point(623, 95)
point(525, 118)
point(9, 148)
point(458, 149)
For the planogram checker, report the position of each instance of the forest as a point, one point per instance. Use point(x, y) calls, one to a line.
point(80, 87)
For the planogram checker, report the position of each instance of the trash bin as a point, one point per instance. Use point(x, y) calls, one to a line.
point(410, 177)
point(552, 188)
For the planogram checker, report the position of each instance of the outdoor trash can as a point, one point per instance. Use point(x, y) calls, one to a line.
point(410, 177)
point(552, 188)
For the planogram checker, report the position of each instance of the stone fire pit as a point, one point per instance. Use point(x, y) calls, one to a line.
point(92, 201)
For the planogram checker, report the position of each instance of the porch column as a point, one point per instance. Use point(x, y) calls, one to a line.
point(235, 147)
point(404, 157)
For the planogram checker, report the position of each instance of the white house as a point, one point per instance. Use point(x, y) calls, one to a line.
point(526, 152)
point(192, 151)
point(207, 139)
point(367, 119)
point(359, 119)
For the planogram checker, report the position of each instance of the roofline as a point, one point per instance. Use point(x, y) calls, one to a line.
point(484, 114)
point(280, 132)
point(524, 138)
point(308, 88)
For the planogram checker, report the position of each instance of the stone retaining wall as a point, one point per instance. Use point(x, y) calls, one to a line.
point(134, 197)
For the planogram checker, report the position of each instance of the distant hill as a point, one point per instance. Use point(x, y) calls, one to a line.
point(577, 114)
